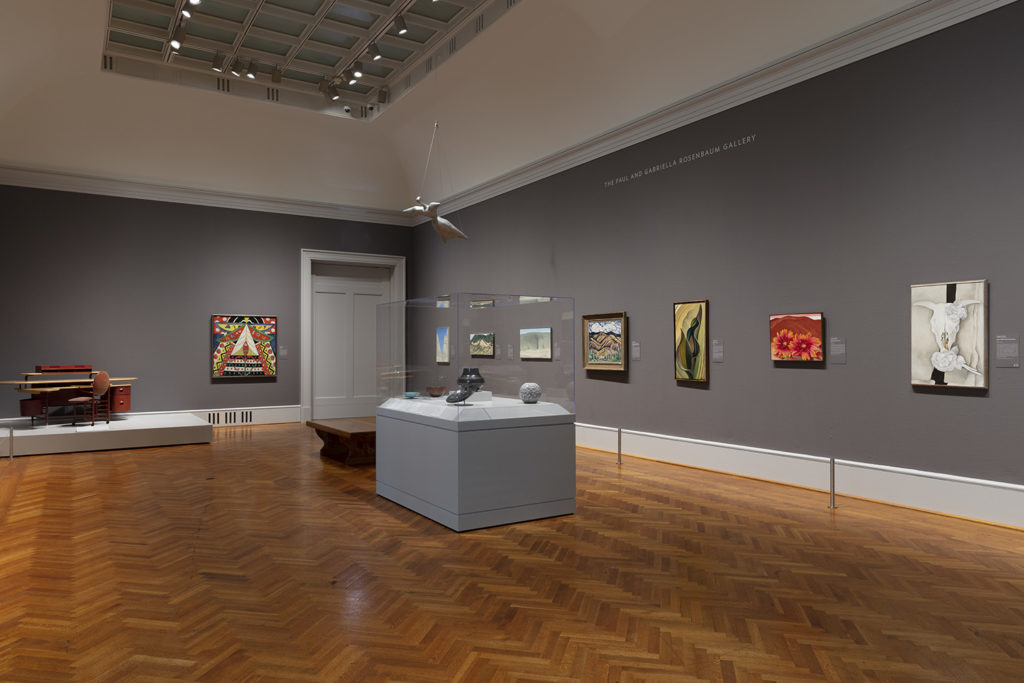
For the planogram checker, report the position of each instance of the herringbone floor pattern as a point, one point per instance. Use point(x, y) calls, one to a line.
point(251, 559)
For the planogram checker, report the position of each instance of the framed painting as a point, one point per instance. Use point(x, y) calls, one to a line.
point(244, 345)
point(797, 337)
point(535, 343)
point(481, 345)
point(442, 351)
point(949, 334)
point(604, 341)
point(691, 340)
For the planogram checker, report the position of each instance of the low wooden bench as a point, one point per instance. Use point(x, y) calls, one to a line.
point(351, 440)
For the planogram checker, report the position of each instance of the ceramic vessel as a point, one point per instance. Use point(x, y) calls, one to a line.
point(529, 392)
point(469, 381)
point(435, 391)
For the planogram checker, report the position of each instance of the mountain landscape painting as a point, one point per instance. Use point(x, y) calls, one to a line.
point(604, 342)
point(481, 345)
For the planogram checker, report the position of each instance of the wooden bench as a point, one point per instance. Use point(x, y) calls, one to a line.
point(351, 440)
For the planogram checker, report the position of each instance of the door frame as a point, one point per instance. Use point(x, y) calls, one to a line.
point(307, 258)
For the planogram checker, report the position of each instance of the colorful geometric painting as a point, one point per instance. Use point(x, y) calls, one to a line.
point(244, 346)
point(442, 351)
point(604, 341)
point(691, 337)
point(797, 337)
point(535, 343)
point(481, 345)
point(948, 334)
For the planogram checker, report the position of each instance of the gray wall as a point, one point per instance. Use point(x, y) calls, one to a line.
point(903, 168)
point(129, 286)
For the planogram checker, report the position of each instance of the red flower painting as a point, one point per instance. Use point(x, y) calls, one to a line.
point(797, 337)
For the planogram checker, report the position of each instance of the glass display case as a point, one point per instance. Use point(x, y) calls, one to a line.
point(476, 407)
point(426, 345)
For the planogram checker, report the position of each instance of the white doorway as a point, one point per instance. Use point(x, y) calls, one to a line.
point(340, 293)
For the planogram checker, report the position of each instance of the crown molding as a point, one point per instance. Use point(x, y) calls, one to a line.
point(877, 36)
point(895, 29)
point(47, 179)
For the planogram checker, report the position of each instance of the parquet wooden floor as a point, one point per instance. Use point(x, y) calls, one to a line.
point(252, 559)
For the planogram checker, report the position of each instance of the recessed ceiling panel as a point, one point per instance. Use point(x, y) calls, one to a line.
point(278, 24)
point(326, 35)
point(307, 6)
point(264, 45)
point(352, 15)
point(140, 16)
point(298, 44)
point(220, 10)
point(136, 41)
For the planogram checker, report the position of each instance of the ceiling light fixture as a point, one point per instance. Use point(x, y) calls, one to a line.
point(194, 2)
point(373, 51)
point(236, 67)
point(250, 71)
point(178, 36)
point(218, 62)
point(186, 12)
point(276, 74)
point(400, 26)
point(348, 76)
point(323, 85)
point(332, 92)
point(357, 69)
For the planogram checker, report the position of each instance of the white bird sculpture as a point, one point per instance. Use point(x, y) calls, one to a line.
point(442, 226)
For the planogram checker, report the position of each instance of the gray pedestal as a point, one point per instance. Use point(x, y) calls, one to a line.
point(490, 463)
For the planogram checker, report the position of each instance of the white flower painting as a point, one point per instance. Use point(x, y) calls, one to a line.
point(949, 334)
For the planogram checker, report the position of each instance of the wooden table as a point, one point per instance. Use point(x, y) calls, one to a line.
point(351, 440)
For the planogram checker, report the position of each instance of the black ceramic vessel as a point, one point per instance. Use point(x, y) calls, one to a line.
point(469, 381)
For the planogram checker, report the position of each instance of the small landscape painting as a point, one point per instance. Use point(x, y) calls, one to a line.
point(535, 343)
point(604, 341)
point(442, 350)
point(481, 345)
point(797, 337)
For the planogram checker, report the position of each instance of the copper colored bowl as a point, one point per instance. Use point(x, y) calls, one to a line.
point(435, 391)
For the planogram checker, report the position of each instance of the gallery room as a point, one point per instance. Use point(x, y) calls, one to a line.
point(511, 340)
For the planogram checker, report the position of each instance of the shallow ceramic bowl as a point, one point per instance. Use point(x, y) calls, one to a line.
point(435, 391)
point(410, 394)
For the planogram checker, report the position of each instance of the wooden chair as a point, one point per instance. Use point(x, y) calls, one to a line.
point(96, 395)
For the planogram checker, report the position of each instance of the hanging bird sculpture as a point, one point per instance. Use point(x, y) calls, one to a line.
point(443, 226)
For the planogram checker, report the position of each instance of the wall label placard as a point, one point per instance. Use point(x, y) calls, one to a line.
point(1007, 351)
point(685, 158)
point(717, 351)
point(634, 350)
point(837, 350)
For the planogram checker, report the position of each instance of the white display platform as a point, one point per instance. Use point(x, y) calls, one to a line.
point(123, 431)
point(479, 464)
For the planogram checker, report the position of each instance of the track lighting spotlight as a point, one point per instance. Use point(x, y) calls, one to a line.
point(357, 69)
point(276, 74)
point(250, 71)
point(178, 36)
point(382, 96)
point(218, 62)
point(400, 26)
point(373, 51)
point(348, 76)
point(194, 2)
point(236, 67)
point(333, 94)
point(186, 12)
point(323, 85)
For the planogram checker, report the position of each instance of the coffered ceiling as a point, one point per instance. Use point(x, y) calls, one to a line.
point(344, 57)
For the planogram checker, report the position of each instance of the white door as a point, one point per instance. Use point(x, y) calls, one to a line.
point(344, 354)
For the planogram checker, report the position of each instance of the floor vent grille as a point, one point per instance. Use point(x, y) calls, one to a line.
point(229, 417)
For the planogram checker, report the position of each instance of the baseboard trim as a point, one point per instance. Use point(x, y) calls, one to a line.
point(976, 499)
point(236, 417)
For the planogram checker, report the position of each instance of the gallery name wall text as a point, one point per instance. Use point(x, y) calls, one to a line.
point(682, 159)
